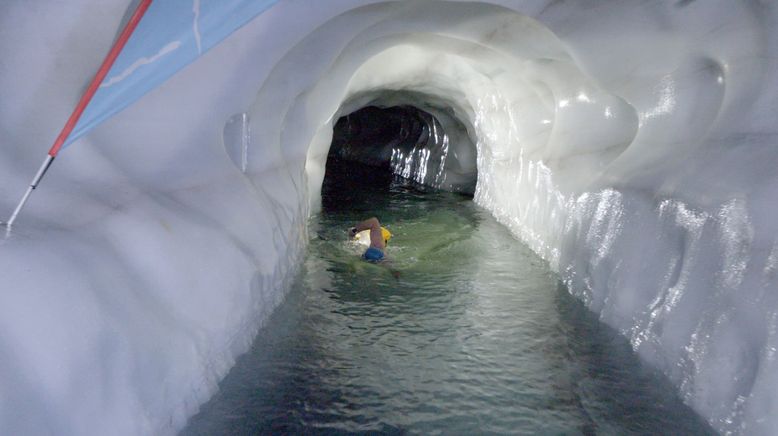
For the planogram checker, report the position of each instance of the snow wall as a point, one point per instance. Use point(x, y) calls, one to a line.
point(630, 143)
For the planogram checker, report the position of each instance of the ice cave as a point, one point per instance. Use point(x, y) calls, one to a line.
point(630, 145)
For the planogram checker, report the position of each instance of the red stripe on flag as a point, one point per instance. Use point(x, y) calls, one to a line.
point(101, 73)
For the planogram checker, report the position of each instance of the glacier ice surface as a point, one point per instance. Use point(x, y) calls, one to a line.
point(629, 143)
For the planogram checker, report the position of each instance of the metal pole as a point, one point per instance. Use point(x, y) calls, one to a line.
point(44, 167)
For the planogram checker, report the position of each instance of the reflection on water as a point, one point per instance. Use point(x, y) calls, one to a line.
point(475, 336)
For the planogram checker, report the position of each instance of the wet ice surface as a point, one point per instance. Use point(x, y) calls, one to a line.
point(475, 336)
point(633, 141)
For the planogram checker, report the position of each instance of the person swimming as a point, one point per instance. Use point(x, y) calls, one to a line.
point(379, 237)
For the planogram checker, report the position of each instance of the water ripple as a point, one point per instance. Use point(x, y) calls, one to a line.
point(476, 336)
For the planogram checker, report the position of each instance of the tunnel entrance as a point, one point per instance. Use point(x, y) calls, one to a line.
point(375, 145)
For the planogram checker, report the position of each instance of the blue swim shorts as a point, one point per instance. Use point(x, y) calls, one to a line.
point(373, 254)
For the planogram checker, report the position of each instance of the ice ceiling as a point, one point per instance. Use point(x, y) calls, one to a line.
point(629, 143)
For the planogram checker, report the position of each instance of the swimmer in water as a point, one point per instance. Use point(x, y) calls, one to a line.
point(379, 237)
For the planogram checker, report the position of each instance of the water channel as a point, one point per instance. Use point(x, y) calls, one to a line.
point(463, 331)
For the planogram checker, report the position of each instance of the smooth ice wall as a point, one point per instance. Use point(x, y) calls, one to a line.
point(148, 261)
point(626, 143)
point(629, 143)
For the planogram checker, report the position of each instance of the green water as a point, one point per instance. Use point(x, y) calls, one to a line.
point(463, 331)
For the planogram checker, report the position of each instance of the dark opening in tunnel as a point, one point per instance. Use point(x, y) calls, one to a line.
point(370, 135)
point(373, 146)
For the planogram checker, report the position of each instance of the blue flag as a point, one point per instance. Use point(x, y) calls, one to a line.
point(171, 35)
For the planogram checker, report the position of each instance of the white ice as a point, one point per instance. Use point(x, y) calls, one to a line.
point(632, 144)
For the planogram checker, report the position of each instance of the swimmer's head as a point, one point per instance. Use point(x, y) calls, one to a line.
point(363, 237)
point(386, 234)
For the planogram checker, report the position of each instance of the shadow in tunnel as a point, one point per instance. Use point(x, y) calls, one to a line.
point(359, 163)
point(374, 147)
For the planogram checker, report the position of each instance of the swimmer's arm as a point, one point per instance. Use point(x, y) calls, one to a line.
point(372, 224)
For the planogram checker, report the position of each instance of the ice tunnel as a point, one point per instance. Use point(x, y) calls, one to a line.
point(631, 144)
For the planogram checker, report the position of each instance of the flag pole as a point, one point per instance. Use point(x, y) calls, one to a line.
point(82, 104)
point(34, 184)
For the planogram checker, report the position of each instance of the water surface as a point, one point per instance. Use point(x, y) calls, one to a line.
point(463, 331)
